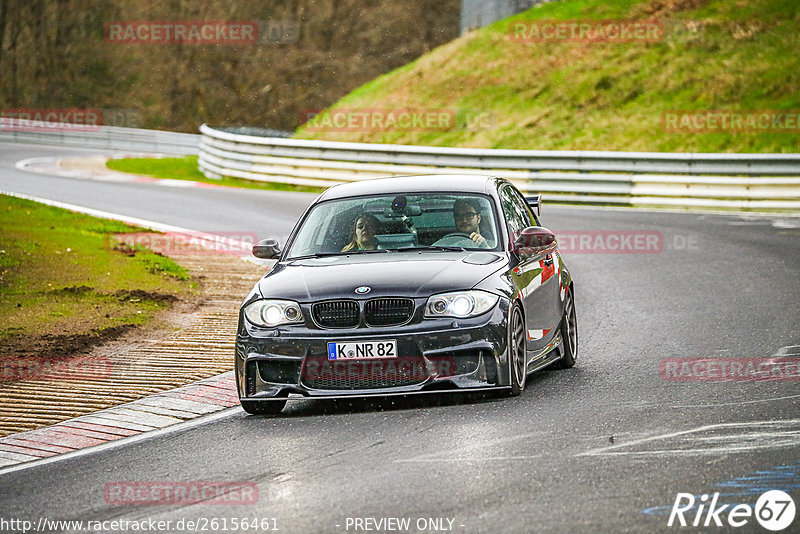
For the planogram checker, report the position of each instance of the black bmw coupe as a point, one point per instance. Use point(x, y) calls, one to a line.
point(398, 286)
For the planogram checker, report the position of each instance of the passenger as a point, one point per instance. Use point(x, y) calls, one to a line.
point(467, 214)
point(362, 233)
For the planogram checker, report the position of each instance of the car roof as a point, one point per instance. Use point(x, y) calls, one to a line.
point(467, 183)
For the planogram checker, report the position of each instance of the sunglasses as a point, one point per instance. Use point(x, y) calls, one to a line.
point(465, 215)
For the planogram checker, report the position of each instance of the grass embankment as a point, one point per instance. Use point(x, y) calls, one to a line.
point(185, 168)
point(726, 55)
point(66, 284)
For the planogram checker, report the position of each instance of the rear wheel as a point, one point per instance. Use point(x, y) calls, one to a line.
point(569, 334)
point(263, 407)
point(516, 350)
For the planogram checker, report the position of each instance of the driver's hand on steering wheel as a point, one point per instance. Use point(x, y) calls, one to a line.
point(479, 240)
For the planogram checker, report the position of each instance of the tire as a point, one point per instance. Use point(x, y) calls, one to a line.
point(263, 407)
point(516, 350)
point(569, 333)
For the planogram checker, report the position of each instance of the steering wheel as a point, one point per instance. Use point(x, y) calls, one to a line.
point(455, 239)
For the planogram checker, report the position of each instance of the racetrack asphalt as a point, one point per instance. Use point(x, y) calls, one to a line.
point(603, 447)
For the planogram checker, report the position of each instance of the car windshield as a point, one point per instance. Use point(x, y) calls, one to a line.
point(392, 222)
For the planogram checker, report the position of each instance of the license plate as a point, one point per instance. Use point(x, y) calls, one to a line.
point(362, 350)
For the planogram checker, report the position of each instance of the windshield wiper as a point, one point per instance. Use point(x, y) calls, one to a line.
point(430, 247)
point(364, 251)
point(327, 254)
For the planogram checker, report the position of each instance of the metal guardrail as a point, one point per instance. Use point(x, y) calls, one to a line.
point(256, 131)
point(738, 181)
point(107, 137)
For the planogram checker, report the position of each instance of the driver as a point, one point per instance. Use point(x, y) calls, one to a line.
point(467, 214)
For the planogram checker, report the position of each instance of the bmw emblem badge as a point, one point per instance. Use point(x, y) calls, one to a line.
point(363, 290)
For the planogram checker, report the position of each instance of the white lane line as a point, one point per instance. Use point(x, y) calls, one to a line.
point(691, 431)
point(457, 460)
point(736, 403)
point(23, 164)
point(179, 427)
point(103, 214)
point(785, 224)
point(171, 182)
point(211, 241)
point(51, 166)
point(749, 437)
point(774, 438)
point(697, 452)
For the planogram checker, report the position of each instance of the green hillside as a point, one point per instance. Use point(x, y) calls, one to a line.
point(726, 56)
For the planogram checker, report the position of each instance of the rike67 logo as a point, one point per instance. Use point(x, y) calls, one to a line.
point(774, 510)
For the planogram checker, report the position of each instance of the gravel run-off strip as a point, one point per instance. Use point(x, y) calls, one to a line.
point(202, 348)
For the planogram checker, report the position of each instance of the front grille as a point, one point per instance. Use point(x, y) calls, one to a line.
point(319, 373)
point(388, 311)
point(336, 314)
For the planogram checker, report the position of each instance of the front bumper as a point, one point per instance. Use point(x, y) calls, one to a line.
point(433, 355)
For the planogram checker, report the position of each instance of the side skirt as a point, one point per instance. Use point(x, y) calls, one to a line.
point(552, 353)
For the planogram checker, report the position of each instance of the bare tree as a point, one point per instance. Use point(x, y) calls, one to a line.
point(54, 54)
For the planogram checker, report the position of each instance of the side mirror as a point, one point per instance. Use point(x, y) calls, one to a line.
point(535, 203)
point(535, 240)
point(267, 249)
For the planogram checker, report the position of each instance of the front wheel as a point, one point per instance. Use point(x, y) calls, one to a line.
point(516, 350)
point(569, 334)
point(262, 407)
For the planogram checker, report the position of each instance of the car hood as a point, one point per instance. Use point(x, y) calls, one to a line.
point(412, 274)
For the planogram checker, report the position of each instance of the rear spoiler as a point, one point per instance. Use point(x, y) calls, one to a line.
point(535, 202)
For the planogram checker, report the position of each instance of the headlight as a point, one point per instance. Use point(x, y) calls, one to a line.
point(460, 304)
point(273, 312)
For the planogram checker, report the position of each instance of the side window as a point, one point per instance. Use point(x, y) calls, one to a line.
point(516, 212)
point(522, 208)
